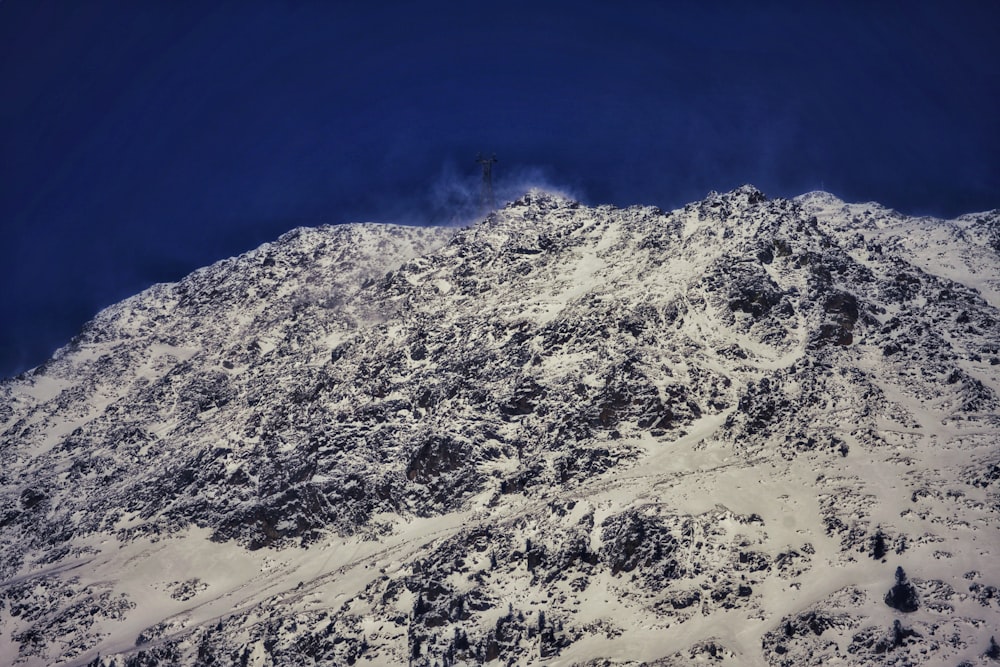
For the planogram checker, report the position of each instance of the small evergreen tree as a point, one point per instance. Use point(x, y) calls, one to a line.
point(897, 633)
point(879, 548)
point(993, 652)
point(902, 596)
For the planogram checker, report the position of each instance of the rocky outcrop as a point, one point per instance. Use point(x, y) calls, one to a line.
point(565, 435)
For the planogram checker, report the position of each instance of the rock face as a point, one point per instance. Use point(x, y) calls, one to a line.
point(565, 435)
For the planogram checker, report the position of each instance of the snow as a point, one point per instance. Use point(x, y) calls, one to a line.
point(215, 405)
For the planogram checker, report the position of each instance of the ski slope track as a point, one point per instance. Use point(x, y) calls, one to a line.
point(744, 432)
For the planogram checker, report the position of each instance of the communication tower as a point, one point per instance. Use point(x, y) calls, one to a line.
point(487, 202)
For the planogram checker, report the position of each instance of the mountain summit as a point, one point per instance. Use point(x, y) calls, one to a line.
point(747, 431)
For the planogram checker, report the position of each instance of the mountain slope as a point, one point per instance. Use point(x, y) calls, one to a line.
point(564, 435)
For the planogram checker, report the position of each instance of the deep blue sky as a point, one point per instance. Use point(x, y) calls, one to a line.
point(141, 140)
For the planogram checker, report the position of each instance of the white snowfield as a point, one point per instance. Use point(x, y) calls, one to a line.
point(563, 436)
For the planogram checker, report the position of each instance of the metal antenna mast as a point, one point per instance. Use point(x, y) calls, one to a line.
point(487, 202)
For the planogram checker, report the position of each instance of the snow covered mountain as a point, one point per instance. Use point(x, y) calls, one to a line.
point(748, 431)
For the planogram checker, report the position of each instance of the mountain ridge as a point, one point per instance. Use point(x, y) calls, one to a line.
point(564, 435)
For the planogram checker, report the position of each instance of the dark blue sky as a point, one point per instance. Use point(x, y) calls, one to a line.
point(141, 140)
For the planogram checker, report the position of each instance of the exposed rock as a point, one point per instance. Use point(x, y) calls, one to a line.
point(566, 434)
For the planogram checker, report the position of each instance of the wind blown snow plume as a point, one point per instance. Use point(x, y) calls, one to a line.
point(455, 197)
point(747, 431)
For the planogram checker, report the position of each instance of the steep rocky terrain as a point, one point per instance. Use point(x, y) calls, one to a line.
point(747, 431)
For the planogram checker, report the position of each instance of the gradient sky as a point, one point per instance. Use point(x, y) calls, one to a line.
point(142, 140)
